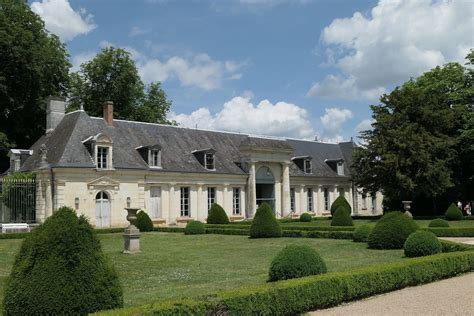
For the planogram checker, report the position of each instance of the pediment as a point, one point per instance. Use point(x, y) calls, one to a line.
point(103, 182)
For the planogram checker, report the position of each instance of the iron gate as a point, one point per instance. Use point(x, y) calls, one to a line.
point(17, 200)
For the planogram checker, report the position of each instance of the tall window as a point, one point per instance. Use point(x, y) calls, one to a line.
point(185, 202)
point(236, 201)
point(341, 191)
point(307, 166)
point(374, 202)
point(310, 199)
point(155, 158)
point(364, 201)
point(340, 168)
point(326, 199)
point(211, 197)
point(209, 161)
point(102, 156)
point(292, 199)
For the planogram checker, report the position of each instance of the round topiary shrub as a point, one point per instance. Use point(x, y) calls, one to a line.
point(453, 213)
point(194, 228)
point(61, 270)
point(217, 215)
point(361, 233)
point(438, 222)
point(341, 217)
point(143, 222)
point(340, 201)
point(422, 243)
point(264, 224)
point(391, 231)
point(305, 217)
point(295, 262)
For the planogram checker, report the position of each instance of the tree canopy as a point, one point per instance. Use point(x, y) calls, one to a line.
point(421, 144)
point(33, 65)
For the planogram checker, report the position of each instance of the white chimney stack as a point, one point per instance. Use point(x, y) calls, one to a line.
point(55, 111)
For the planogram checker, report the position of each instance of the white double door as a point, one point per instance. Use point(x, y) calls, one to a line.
point(102, 210)
point(155, 202)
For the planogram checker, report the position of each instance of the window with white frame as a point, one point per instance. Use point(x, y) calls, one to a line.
point(374, 202)
point(209, 161)
point(154, 158)
point(185, 202)
point(211, 197)
point(340, 168)
point(236, 201)
point(364, 201)
point(341, 191)
point(310, 199)
point(326, 199)
point(292, 199)
point(102, 157)
point(307, 166)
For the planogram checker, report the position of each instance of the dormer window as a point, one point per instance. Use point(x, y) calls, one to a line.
point(340, 168)
point(206, 157)
point(100, 148)
point(102, 157)
point(307, 166)
point(209, 158)
point(151, 154)
point(337, 165)
point(303, 163)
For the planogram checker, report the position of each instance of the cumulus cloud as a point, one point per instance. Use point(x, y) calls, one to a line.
point(242, 116)
point(364, 125)
point(62, 20)
point(398, 40)
point(332, 122)
point(136, 31)
point(79, 59)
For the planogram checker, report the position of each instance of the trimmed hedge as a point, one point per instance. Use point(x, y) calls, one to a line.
point(217, 215)
point(453, 213)
point(287, 227)
point(14, 235)
point(227, 231)
point(452, 231)
point(342, 217)
point(340, 201)
point(422, 243)
point(295, 261)
point(169, 229)
point(61, 269)
point(194, 228)
point(438, 222)
point(264, 224)
point(143, 222)
point(361, 233)
point(450, 246)
point(305, 217)
point(391, 231)
point(180, 307)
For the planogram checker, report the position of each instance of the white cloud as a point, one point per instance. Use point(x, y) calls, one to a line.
point(62, 20)
point(364, 125)
point(136, 31)
point(398, 40)
point(81, 58)
point(240, 115)
point(332, 122)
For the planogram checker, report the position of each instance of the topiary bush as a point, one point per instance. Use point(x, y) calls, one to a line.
point(422, 243)
point(453, 213)
point(305, 217)
point(61, 270)
point(295, 262)
point(340, 201)
point(143, 222)
point(194, 228)
point(391, 231)
point(438, 222)
point(217, 215)
point(264, 224)
point(361, 233)
point(341, 217)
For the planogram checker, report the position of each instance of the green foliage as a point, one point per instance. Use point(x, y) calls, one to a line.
point(305, 217)
point(391, 231)
point(61, 269)
point(422, 243)
point(453, 213)
point(341, 217)
point(181, 307)
point(408, 157)
point(295, 262)
point(194, 228)
point(361, 233)
point(287, 227)
point(143, 222)
point(113, 76)
point(217, 215)
point(438, 222)
point(264, 223)
point(452, 231)
point(340, 201)
point(33, 65)
point(450, 246)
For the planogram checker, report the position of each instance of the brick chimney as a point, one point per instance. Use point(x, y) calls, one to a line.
point(109, 113)
point(55, 109)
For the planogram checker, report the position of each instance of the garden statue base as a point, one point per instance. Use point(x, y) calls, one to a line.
point(131, 238)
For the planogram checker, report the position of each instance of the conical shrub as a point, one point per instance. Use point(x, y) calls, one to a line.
point(453, 213)
point(264, 224)
point(341, 217)
point(340, 201)
point(217, 215)
point(391, 231)
point(61, 270)
point(143, 222)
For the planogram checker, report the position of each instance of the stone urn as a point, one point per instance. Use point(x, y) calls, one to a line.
point(131, 235)
point(407, 207)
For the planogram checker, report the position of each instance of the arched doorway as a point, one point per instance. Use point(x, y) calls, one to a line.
point(265, 187)
point(102, 210)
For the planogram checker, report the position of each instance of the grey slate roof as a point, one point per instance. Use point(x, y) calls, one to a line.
point(65, 147)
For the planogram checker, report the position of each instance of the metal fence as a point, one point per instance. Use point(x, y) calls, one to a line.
point(17, 200)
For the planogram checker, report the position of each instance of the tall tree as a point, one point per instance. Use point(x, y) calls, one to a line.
point(113, 76)
point(33, 65)
point(416, 150)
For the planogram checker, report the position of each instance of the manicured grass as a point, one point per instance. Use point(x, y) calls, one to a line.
point(173, 265)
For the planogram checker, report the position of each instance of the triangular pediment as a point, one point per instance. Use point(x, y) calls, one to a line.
point(103, 182)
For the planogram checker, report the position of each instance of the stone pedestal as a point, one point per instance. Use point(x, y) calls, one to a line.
point(407, 207)
point(131, 235)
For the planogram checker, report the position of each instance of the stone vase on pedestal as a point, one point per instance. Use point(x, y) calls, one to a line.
point(407, 207)
point(131, 235)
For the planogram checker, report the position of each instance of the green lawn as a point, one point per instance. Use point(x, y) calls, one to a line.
point(173, 265)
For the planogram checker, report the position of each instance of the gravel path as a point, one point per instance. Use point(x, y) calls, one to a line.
point(453, 296)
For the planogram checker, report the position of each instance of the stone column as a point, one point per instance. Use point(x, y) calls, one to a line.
point(225, 200)
point(303, 204)
point(320, 201)
point(251, 188)
point(285, 190)
point(200, 215)
point(40, 200)
point(171, 205)
point(351, 201)
point(48, 198)
point(333, 194)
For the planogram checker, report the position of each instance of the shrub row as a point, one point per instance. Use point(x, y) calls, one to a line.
point(286, 227)
point(452, 232)
point(450, 246)
point(315, 292)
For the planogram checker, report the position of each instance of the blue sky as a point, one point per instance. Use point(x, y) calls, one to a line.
point(295, 68)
